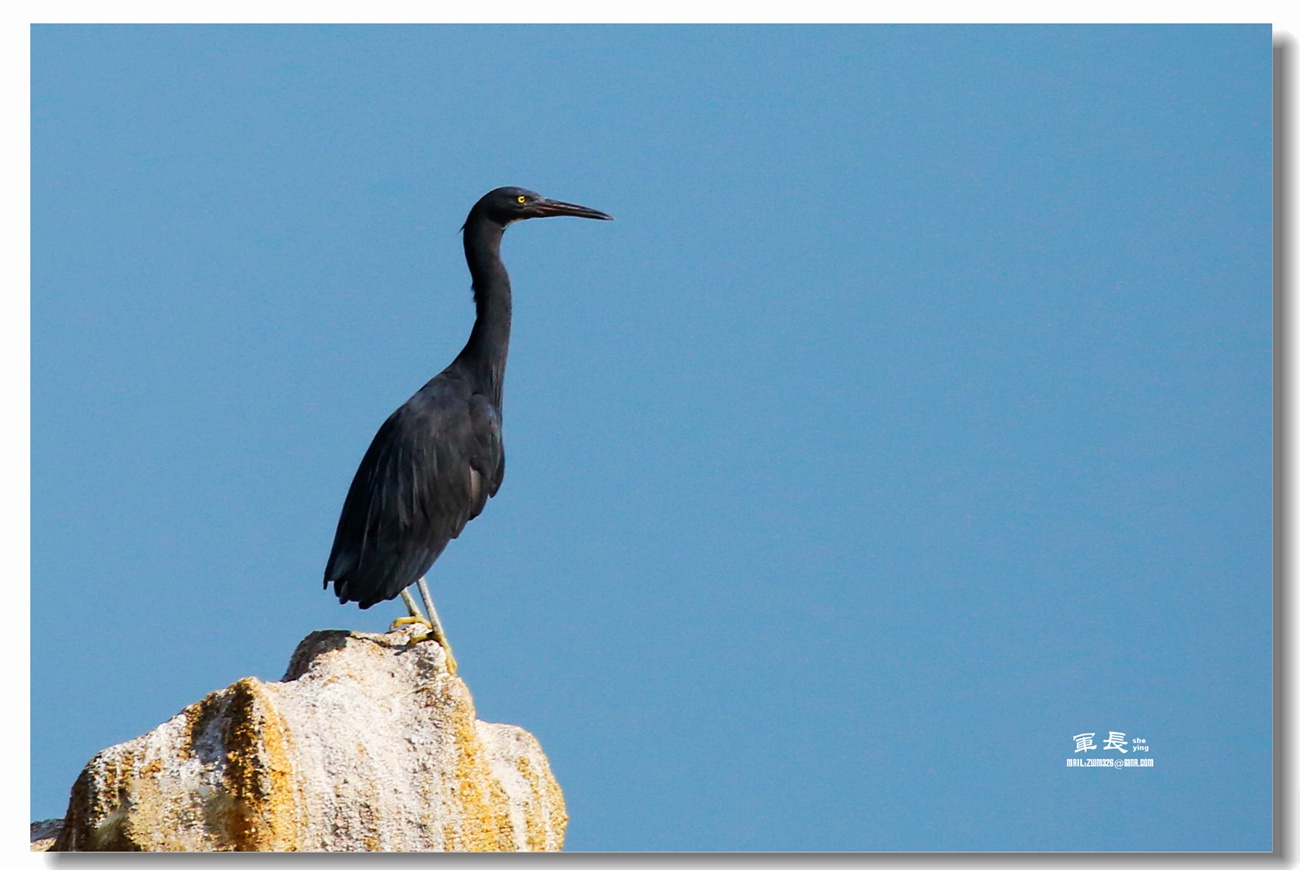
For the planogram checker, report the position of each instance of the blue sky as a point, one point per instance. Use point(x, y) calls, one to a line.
point(912, 417)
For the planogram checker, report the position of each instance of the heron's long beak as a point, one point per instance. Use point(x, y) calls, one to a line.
point(555, 208)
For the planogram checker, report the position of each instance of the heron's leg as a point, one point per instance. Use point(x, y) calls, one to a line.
point(435, 624)
point(410, 605)
point(415, 618)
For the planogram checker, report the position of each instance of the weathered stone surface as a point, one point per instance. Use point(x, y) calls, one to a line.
point(368, 744)
point(43, 834)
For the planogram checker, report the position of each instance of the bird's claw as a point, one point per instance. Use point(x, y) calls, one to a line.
point(429, 634)
point(404, 621)
point(452, 667)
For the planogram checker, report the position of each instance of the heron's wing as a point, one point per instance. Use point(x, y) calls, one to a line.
point(487, 457)
point(418, 485)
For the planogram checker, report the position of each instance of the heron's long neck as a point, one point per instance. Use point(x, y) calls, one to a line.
point(485, 352)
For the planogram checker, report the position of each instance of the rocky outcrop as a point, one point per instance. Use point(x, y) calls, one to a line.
point(43, 834)
point(368, 744)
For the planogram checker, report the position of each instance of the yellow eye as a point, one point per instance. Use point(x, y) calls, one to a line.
point(523, 199)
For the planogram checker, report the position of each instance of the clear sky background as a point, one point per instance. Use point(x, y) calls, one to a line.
point(912, 417)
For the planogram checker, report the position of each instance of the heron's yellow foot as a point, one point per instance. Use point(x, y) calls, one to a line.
point(446, 647)
point(430, 634)
point(452, 667)
point(410, 620)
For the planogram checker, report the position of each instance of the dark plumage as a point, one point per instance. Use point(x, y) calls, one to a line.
point(437, 460)
point(429, 471)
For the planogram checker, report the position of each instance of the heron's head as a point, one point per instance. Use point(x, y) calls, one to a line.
point(505, 205)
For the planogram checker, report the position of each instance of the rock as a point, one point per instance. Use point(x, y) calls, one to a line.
point(43, 834)
point(368, 744)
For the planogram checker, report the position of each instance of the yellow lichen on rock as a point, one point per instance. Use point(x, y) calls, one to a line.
point(368, 744)
point(262, 811)
point(484, 810)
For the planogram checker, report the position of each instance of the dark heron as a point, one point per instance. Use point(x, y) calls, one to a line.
point(437, 460)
